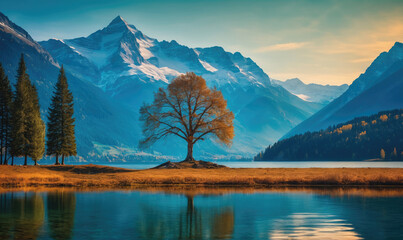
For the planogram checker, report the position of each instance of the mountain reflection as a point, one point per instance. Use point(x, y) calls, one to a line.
point(191, 222)
point(21, 215)
point(61, 208)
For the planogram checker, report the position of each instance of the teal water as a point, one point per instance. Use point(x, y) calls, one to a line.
point(203, 214)
point(282, 164)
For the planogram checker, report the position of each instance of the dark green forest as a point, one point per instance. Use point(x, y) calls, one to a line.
point(22, 130)
point(377, 136)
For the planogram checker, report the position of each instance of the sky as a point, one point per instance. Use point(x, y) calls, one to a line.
point(323, 41)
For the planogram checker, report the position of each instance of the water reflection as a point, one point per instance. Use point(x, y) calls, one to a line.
point(61, 208)
point(197, 213)
point(21, 215)
point(312, 226)
point(191, 222)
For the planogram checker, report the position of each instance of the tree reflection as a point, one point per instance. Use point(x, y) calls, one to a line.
point(189, 223)
point(61, 209)
point(21, 215)
point(223, 224)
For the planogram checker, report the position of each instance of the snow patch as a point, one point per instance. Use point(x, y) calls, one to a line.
point(145, 44)
point(152, 72)
point(303, 97)
point(101, 55)
point(207, 66)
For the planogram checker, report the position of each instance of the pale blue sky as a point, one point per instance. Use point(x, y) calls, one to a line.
point(318, 41)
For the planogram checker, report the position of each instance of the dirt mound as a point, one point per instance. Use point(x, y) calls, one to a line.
point(189, 164)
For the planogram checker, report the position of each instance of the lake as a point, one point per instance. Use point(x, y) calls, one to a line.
point(203, 213)
point(282, 164)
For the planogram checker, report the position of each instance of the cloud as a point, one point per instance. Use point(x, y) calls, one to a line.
point(282, 47)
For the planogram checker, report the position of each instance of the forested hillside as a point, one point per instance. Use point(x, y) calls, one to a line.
point(378, 136)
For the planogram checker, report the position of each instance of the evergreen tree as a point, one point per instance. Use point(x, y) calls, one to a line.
point(359, 139)
point(60, 135)
point(36, 128)
point(5, 115)
point(21, 113)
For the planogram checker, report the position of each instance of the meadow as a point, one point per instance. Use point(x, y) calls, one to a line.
point(104, 176)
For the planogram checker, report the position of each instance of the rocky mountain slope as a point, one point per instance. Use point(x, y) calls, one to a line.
point(378, 89)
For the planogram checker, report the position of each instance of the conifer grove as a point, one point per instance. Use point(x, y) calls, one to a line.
point(22, 130)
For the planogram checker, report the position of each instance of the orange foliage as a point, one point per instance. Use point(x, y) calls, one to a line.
point(346, 127)
point(343, 128)
point(382, 154)
point(364, 123)
point(373, 121)
point(383, 117)
point(363, 133)
point(189, 110)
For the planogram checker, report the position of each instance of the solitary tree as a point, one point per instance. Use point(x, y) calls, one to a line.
point(61, 135)
point(5, 115)
point(189, 110)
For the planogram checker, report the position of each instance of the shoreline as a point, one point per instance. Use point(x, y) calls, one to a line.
point(99, 176)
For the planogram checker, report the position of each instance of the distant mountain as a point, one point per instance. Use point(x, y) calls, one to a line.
point(378, 89)
point(129, 66)
point(312, 92)
point(374, 137)
point(103, 126)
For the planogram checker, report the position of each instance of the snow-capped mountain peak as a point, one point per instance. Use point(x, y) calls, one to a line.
point(118, 21)
point(121, 51)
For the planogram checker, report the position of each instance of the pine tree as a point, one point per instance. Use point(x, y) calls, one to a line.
point(21, 113)
point(61, 135)
point(36, 128)
point(5, 115)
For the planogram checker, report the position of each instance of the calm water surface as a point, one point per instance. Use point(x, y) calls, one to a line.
point(203, 214)
point(283, 164)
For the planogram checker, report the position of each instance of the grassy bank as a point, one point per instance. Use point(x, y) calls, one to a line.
point(102, 176)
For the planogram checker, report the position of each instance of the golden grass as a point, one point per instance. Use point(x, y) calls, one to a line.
point(102, 176)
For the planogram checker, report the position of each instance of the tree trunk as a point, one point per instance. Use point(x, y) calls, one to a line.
point(63, 159)
point(25, 160)
point(35, 163)
point(57, 160)
point(12, 160)
point(189, 157)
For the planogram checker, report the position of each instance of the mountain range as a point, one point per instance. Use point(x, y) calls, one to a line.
point(312, 92)
point(380, 88)
point(113, 71)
